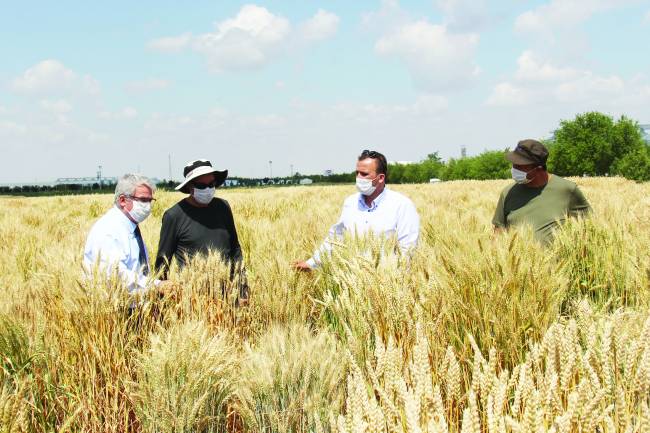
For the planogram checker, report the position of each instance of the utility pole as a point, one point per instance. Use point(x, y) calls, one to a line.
point(291, 170)
point(99, 175)
point(271, 169)
point(169, 160)
point(463, 151)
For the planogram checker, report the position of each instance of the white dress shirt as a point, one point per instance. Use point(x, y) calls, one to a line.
point(390, 214)
point(112, 243)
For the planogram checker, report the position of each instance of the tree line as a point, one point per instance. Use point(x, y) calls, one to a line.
point(592, 144)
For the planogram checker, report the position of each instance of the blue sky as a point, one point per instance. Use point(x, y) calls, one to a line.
point(303, 83)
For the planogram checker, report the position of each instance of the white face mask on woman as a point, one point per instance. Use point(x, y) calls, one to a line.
point(519, 176)
point(140, 211)
point(365, 186)
point(203, 196)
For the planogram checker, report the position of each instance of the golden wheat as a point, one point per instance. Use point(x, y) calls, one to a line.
point(475, 332)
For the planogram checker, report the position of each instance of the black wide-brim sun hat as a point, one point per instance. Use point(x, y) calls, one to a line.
point(198, 168)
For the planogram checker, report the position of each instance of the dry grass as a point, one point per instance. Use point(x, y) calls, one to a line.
point(476, 333)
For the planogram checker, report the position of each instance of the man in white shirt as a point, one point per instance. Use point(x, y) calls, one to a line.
point(115, 241)
point(375, 208)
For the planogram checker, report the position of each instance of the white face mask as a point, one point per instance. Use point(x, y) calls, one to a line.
point(140, 211)
point(519, 176)
point(365, 186)
point(203, 196)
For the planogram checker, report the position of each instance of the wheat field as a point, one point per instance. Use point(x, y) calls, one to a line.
point(477, 332)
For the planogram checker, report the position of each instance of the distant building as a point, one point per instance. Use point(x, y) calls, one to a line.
point(86, 181)
point(434, 180)
point(306, 181)
point(231, 182)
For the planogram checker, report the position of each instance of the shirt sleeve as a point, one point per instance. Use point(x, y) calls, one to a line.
point(108, 254)
point(579, 204)
point(408, 227)
point(167, 244)
point(499, 218)
point(336, 231)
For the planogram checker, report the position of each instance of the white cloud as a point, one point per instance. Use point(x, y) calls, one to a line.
point(590, 87)
point(464, 15)
point(425, 105)
point(557, 28)
point(52, 77)
point(251, 39)
point(90, 85)
point(562, 14)
point(321, 26)
point(429, 104)
point(437, 59)
point(507, 94)
point(538, 81)
point(148, 85)
point(44, 77)
point(60, 106)
point(390, 16)
point(126, 113)
point(530, 68)
point(9, 128)
point(170, 44)
point(559, 20)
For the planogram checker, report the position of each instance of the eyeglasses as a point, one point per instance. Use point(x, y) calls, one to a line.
point(531, 155)
point(199, 185)
point(141, 199)
point(369, 154)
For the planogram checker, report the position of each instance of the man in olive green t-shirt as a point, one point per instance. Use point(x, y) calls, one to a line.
point(537, 197)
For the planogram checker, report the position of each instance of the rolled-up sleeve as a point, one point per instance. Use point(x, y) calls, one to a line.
point(499, 218)
point(579, 204)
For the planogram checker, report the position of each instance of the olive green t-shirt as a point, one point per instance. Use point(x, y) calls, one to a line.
point(542, 208)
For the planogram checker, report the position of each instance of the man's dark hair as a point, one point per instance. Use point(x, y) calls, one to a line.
point(382, 165)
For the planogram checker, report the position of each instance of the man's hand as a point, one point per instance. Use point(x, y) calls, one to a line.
point(300, 265)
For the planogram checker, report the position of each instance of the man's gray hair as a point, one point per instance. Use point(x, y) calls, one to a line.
point(127, 184)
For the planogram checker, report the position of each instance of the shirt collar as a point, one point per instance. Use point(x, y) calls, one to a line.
point(376, 202)
point(123, 220)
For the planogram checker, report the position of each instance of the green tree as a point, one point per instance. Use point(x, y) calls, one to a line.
point(591, 143)
point(395, 173)
point(635, 165)
point(488, 165)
